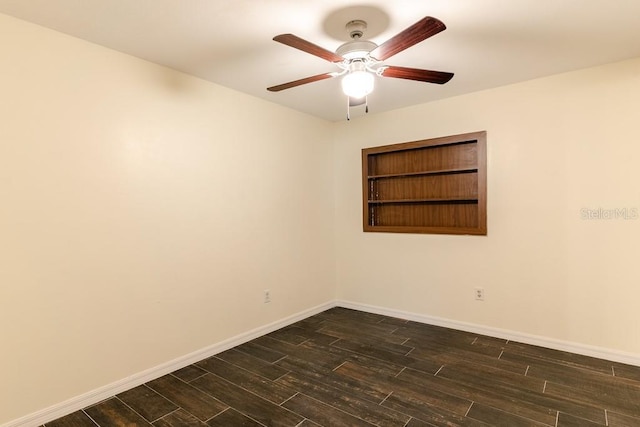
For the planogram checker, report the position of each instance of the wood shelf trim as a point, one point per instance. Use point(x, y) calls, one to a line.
point(470, 231)
point(438, 200)
point(469, 138)
point(425, 173)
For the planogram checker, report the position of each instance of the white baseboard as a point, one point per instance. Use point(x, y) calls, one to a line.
point(572, 347)
point(76, 403)
point(99, 394)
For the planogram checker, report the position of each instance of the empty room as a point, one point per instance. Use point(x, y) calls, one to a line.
point(305, 213)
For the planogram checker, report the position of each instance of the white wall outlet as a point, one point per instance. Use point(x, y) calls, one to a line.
point(479, 293)
point(267, 296)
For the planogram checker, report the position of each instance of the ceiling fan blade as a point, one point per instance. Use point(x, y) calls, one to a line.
point(306, 80)
point(429, 76)
point(305, 46)
point(419, 31)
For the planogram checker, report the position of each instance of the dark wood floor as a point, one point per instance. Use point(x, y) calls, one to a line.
point(349, 368)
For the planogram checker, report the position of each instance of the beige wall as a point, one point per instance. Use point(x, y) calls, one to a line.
point(142, 213)
point(555, 146)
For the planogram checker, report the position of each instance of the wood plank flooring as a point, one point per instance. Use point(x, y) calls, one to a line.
point(349, 368)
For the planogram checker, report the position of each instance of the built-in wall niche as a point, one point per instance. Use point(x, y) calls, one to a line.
point(430, 186)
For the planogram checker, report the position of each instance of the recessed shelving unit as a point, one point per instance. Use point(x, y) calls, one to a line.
point(429, 186)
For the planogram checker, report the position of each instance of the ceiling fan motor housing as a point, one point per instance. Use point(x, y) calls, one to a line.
point(356, 49)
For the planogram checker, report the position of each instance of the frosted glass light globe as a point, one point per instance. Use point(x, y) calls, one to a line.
point(358, 84)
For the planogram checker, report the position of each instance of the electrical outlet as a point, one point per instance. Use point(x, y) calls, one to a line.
point(267, 296)
point(479, 294)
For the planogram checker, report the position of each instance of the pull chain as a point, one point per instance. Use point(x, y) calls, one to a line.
point(366, 106)
point(348, 109)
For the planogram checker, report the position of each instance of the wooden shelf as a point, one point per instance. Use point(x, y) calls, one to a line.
point(429, 186)
point(424, 173)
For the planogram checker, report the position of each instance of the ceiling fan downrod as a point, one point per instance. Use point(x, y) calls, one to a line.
point(356, 28)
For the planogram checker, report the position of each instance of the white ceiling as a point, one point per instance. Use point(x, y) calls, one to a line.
point(487, 43)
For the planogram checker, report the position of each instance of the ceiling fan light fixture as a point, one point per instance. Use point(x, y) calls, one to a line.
point(358, 82)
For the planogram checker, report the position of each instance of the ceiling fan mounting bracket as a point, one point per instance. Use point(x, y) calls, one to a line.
point(356, 28)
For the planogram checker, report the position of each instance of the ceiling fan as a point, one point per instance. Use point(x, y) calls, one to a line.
point(361, 60)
